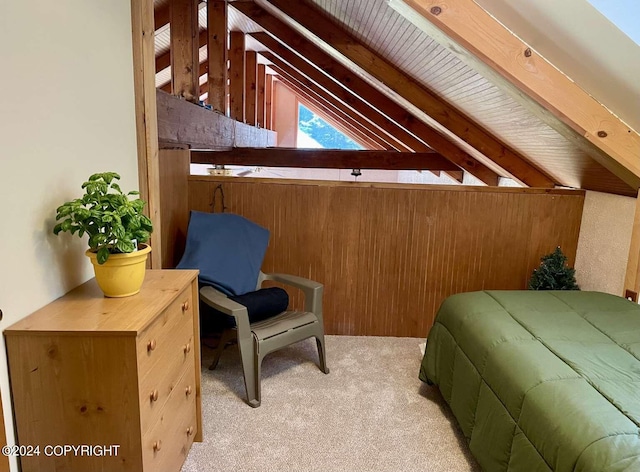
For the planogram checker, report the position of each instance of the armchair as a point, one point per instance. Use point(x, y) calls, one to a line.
point(228, 250)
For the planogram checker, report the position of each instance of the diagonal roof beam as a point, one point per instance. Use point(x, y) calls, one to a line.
point(316, 22)
point(296, 82)
point(350, 128)
point(356, 92)
point(370, 142)
point(285, 58)
point(358, 138)
point(161, 16)
point(490, 45)
point(292, 74)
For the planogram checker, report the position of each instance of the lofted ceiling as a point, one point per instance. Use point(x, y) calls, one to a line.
point(463, 105)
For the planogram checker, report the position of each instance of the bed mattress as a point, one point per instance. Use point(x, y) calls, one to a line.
point(541, 381)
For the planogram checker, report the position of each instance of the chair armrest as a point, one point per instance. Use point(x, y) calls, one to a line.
point(219, 301)
point(294, 281)
point(312, 290)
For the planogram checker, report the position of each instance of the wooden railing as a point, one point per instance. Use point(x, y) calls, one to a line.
point(387, 254)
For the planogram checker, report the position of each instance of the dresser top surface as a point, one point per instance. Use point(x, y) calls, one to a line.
point(85, 309)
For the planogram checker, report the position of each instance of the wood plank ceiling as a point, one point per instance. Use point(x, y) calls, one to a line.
point(524, 147)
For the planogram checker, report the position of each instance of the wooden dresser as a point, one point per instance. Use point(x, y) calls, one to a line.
point(92, 371)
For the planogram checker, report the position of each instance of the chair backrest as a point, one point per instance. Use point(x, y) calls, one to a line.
point(228, 250)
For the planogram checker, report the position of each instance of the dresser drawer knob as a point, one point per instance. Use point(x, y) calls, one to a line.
point(185, 306)
point(154, 396)
point(151, 345)
point(187, 348)
point(157, 445)
point(187, 390)
point(189, 430)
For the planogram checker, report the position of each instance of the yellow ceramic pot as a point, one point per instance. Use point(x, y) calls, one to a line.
point(122, 274)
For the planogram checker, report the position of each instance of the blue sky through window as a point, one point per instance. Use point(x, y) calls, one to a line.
point(312, 126)
point(625, 14)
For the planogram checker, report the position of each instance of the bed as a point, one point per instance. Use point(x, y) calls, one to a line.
point(541, 381)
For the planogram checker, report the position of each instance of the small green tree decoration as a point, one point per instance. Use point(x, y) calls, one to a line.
point(114, 223)
point(553, 273)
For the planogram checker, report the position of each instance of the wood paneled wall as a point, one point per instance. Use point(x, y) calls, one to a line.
point(174, 204)
point(388, 255)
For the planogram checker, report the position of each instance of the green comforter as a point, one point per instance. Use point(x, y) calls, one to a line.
point(541, 381)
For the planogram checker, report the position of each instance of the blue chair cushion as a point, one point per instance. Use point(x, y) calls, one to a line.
point(264, 303)
point(228, 250)
point(261, 305)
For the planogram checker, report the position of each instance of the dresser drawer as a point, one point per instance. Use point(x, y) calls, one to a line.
point(157, 385)
point(154, 342)
point(165, 446)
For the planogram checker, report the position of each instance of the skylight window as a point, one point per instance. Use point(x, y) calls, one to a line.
point(625, 14)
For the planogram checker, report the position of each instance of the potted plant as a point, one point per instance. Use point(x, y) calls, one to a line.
point(117, 230)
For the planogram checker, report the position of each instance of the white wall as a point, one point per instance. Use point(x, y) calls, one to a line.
point(603, 245)
point(67, 112)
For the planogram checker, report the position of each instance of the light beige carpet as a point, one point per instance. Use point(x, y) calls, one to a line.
point(371, 413)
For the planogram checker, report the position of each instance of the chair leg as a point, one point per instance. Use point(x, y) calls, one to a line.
point(226, 336)
point(321, 354)
point(247, 353)
point(258, 372)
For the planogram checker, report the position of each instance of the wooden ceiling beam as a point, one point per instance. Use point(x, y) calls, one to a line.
point(217, 54)
point(161, 16)
point(321, 95)
point(146, 119)
point(360, 135)
point(335, 36)
point(251, 87)
point(343, 99)
point(183, 123)
point(184, 49)
point(632, 273)
point(467, 24)
point(268, 97)
point(202, 70)
point(457, 175)
point(357, 137)
point(353, 84)
point(262, 79)
point(324, 107)
point(327, 111)
point(236, 75)
point(392, 133)
point(324, 159)
point(164, 60)
point(352, 130)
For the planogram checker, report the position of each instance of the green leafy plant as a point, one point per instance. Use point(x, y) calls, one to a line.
point(114, 223)
point(553, 273)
